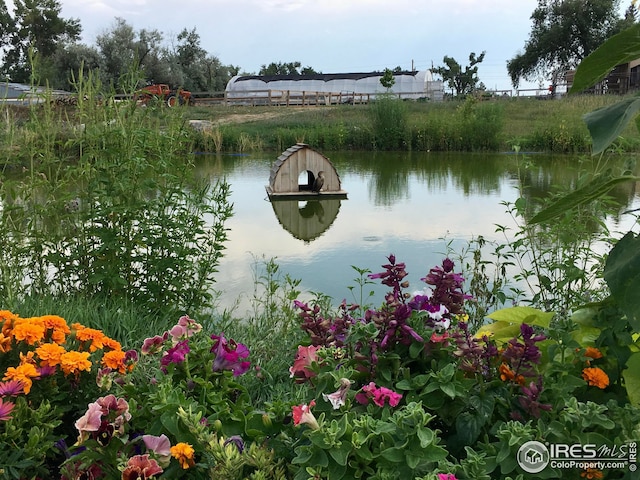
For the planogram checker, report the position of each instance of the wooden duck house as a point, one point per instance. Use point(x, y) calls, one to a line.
point(302, 172)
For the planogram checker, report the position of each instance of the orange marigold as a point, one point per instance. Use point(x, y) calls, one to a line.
point(58, 326)
point(5, 343)
point(75, 362)
point(183, 452)
point(596, 377)
point(29, 330)
point(96, 337)
point(592, 352)
point(111, 343)
point(592, 474)
point(6, 321)
point(114, 359)
point(22, 373)
point(49, 354)
point(508, 375)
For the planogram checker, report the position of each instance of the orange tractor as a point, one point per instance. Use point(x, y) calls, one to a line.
point(164, 94)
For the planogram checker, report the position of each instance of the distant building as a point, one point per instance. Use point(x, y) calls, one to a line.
point(624, 78)
point(22, 93)
point(412, 85)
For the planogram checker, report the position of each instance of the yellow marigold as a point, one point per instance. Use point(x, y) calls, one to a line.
point(29, 330)
point(596, 377)
point(114, 359)
point(22, 373)
point(49, 354)
point(75, 362)
point(183, 452)
point(96, 337)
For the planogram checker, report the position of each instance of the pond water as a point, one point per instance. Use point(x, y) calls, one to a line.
point(410, 204)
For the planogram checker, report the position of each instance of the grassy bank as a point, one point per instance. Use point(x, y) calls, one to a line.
point(533, 124)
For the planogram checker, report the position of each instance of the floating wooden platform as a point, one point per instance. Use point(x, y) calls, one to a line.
point(304, 195)
point(294, 172)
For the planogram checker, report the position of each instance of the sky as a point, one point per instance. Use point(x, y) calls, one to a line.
point(332, 36)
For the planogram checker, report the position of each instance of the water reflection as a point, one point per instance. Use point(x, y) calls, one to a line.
point(414, 205)
point(306, 220)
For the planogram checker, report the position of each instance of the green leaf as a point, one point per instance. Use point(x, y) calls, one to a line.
point(622, 274)
point(393, 454)
point(523, 314)
point(596, 188)
point(621, 48)
point(607, 123)
point(631, 377)
point(341, 454)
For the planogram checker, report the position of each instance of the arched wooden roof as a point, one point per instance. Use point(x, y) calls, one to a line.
point(284, 177)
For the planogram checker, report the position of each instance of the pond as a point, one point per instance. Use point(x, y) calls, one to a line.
point(414, 205)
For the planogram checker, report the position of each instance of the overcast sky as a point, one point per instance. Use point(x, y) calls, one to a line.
point(332, 36)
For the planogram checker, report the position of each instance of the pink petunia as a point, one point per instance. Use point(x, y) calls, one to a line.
point(379, 395)
point(302, 415)
point(338, 397)
point(229, 355)
point(446, 476)
point(305, 357)
point(158, 445)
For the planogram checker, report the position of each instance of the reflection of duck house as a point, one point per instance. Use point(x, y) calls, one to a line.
point(295, 172)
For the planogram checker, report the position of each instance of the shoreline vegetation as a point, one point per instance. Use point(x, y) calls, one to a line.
point(116, 365)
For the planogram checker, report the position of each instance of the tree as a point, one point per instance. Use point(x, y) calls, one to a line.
point(387, 80)
point(33, 33)
point(463, 82)
point(563, 33)
point(122, 48)
point(291, 68)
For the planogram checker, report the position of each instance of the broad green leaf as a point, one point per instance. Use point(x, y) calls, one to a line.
point(622, 274)
point(631, 377)
point(621, 48)
point(498, 330)
point(607, 123)
point(522, 314)
point(596, 188)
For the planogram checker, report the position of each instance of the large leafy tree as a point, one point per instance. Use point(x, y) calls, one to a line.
point(461, 81)
point(563, 33)
point(33, 34)
point(288, 68)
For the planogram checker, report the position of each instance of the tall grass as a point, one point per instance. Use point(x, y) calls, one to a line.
point(108, 207)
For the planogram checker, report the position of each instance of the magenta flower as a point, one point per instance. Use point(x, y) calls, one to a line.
point(185, 328)
point(338, 397)
point(305, 357)
point(379, 395)
point(158, 445)
point(229, 355)
point(154, 344)
point(302, 415)
point(5, 410)
point(175, 354)
point(12, 388)
point(446, 476)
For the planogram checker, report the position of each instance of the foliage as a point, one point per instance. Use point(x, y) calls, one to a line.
point(463, 82)
point(389, 123)
point(126, 220)
point(35, 30)
point(562, 34)
point(286, 68)
point(387, 80)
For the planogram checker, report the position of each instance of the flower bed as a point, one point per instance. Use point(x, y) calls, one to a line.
point(404, 391)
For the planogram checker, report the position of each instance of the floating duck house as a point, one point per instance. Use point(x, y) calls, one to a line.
point(296, 172)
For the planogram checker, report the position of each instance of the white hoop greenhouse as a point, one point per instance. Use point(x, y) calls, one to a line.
point(414, 85)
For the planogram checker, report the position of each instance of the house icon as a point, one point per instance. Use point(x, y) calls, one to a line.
point(533, 456)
